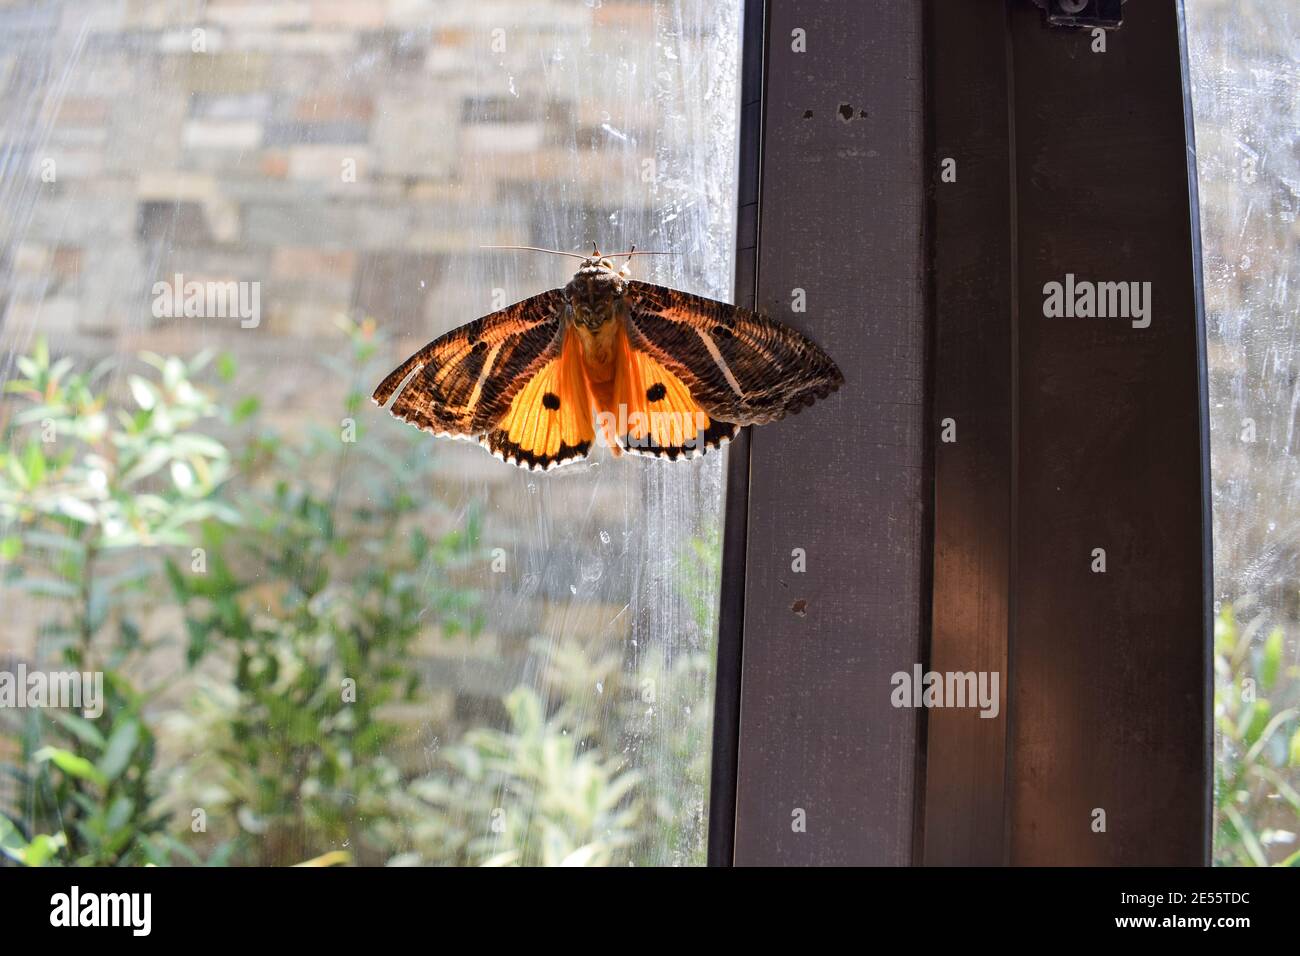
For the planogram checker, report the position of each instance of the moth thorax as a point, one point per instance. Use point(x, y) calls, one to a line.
point(593, 295)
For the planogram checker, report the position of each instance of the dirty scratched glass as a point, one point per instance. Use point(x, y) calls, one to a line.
point(1246, 101)
point(322, 635)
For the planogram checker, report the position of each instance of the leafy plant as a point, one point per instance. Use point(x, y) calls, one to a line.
point(88, 498)
point(1257, 715)
point(566, 785)
point(311, 610)
point(532, 795)
point(304, 567)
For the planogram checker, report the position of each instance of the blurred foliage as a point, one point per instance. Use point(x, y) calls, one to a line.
point(312, 608)
point(1257, 716)
point(300, 570)
point(572, 783)
point(612, 771)
point(88, 498)
point(539, 793)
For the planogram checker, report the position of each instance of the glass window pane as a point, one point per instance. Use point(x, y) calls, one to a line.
point(322, 634)
point(1246, 96)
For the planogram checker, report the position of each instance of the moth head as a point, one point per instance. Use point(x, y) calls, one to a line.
point(596, 266)
point(604, 262)
point(598, 285)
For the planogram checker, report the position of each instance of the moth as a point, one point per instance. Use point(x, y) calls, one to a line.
point(642, 368)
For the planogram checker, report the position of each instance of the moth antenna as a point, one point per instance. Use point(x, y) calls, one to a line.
point(554, 252)
point(634, 251)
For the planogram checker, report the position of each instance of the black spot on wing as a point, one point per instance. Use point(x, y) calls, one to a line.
point(551, 400)
point(656, 392)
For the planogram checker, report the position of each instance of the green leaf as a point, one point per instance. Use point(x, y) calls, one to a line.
point(193, 443)
point(38, 852)
point(61, 368)
point(49, 587)
point(119, 813)
point(1258, 739)
point(173, 372)
point(1272, 658)
point(34, 463)
point(77, 510)
point(43, 848)
point(10, 547)
point(177, 580)
point(226, 366)
point(81, 728)
point(11, 841)
point(146, 396)
point(17, 471)
point(149, 462)
point(1295, 749)
point(70, 764)
point(117, 755)
point(197, 645)
point(182, 476)
point(199, 363)
point(246, 408)
point(51, 541)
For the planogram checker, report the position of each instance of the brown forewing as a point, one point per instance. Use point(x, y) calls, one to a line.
point(740, 366)
point(462, 383)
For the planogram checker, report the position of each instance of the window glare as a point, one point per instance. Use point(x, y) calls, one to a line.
point(1245, 96)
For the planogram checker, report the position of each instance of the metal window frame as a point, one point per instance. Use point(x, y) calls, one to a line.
point(832, 203)
point(1071, 434)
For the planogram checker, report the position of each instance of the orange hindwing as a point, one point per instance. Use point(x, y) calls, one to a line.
point(550, 420)
point(654, 411)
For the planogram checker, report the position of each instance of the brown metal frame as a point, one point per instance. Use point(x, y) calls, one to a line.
point(1071, 435)
point(841, 206)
